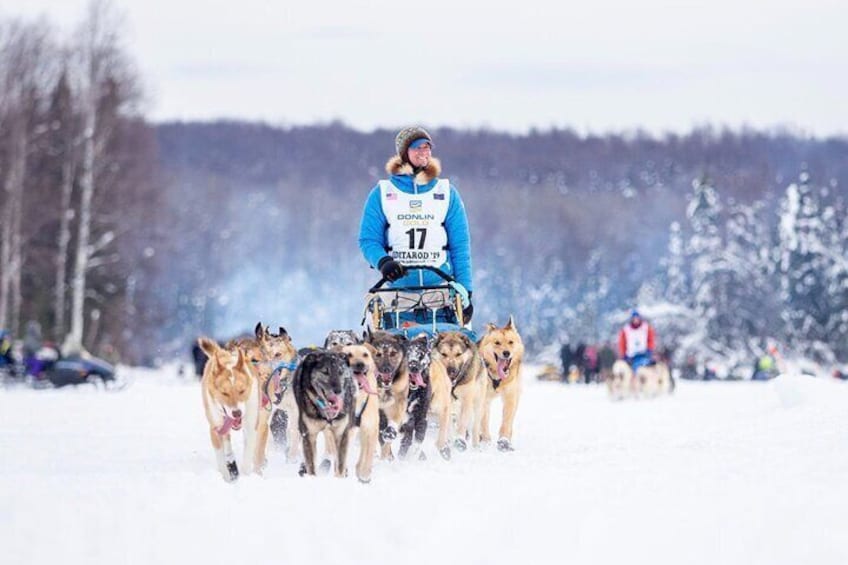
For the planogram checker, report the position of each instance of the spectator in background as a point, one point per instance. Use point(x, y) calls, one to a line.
point(606, 358)
point(31, 347)
point(579, 353)
point(765, 368)
point(199, 358)
point(590, 364)
point(690, 367)
point(566, 357)
point(6, 358)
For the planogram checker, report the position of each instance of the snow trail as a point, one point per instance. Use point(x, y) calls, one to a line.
point(719, 473)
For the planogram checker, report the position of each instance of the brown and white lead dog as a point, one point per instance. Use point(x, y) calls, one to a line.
point(274, 360)
point(502, 351)
point(231, 402)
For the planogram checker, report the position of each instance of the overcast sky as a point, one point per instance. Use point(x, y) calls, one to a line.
point(594, 66)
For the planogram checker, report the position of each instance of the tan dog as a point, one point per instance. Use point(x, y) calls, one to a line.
point(456, 374)
point(366, 415)
point(620, 381)
point(654, 380)
point(231, 401)
point(274, 360)
point(502, 351)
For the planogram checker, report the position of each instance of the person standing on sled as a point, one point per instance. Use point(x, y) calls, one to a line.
point(637, 342)
point(416, 218)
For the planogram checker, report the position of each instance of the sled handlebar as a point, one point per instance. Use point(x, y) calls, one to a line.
point(446, 277)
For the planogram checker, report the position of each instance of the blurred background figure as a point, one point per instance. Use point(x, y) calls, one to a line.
point(765, 368)
point(6, 357)
point(566, 358)
point(32, 344)
point(606, 358)
point(590, 364)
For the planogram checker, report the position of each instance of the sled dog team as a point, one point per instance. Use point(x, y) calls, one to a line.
point(378, 389)
point(647, 381)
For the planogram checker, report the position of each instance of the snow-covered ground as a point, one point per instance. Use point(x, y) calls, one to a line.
point(744, 473)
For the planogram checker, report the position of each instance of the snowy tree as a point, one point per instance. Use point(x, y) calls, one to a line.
point(813, 269)
point(676, 277)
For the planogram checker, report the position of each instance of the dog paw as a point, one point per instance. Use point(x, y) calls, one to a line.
point(460, 444)
point(232, 471)
point(302, 471)
point(505, 445)
point(445, 452)
point(324, 466)
point(365, 481)
point(389, 433)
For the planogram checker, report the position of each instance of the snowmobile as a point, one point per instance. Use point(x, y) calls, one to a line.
point(78, 369)
point(412, 310)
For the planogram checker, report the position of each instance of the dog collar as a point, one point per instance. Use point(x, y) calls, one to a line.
point(289, 365)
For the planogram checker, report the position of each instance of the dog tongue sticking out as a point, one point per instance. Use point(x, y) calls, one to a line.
point(334, 406)
point(417, 380)
point(362, 381)
point(503, 367)
point(230, 423)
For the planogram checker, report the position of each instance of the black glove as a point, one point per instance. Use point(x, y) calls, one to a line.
point(468, 311)
point(391, 269)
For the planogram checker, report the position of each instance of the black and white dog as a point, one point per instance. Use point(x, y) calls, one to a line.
point(339, 338)
point(420, 393)
point(324, 391)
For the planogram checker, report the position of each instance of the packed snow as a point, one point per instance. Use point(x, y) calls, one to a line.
point(720, 472)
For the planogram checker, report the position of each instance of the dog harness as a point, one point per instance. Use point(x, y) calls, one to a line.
point(358, 418)
point(416, 234)
point(460, 376)
point(280, 385)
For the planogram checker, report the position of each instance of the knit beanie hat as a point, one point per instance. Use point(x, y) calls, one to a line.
point(407, 136)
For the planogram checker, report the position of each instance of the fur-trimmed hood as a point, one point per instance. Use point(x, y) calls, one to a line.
point(396, 166)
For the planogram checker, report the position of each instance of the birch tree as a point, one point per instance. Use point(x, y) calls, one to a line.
point(100, 66)
point(24, 65)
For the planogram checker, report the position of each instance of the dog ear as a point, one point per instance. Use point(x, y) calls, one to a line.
point(511, 324)
point(437, 339)
point(371, 349)
point(403, 342)
point(258, 331)
point(283, 333)
point(241, 361)
point(467, 341)
point(208, 346)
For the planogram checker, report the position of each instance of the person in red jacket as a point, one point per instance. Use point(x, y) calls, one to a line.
point(637, 341)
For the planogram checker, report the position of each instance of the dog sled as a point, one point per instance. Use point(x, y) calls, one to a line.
point(413, 310)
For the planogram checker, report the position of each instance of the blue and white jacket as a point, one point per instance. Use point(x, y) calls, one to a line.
point(372, 230)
